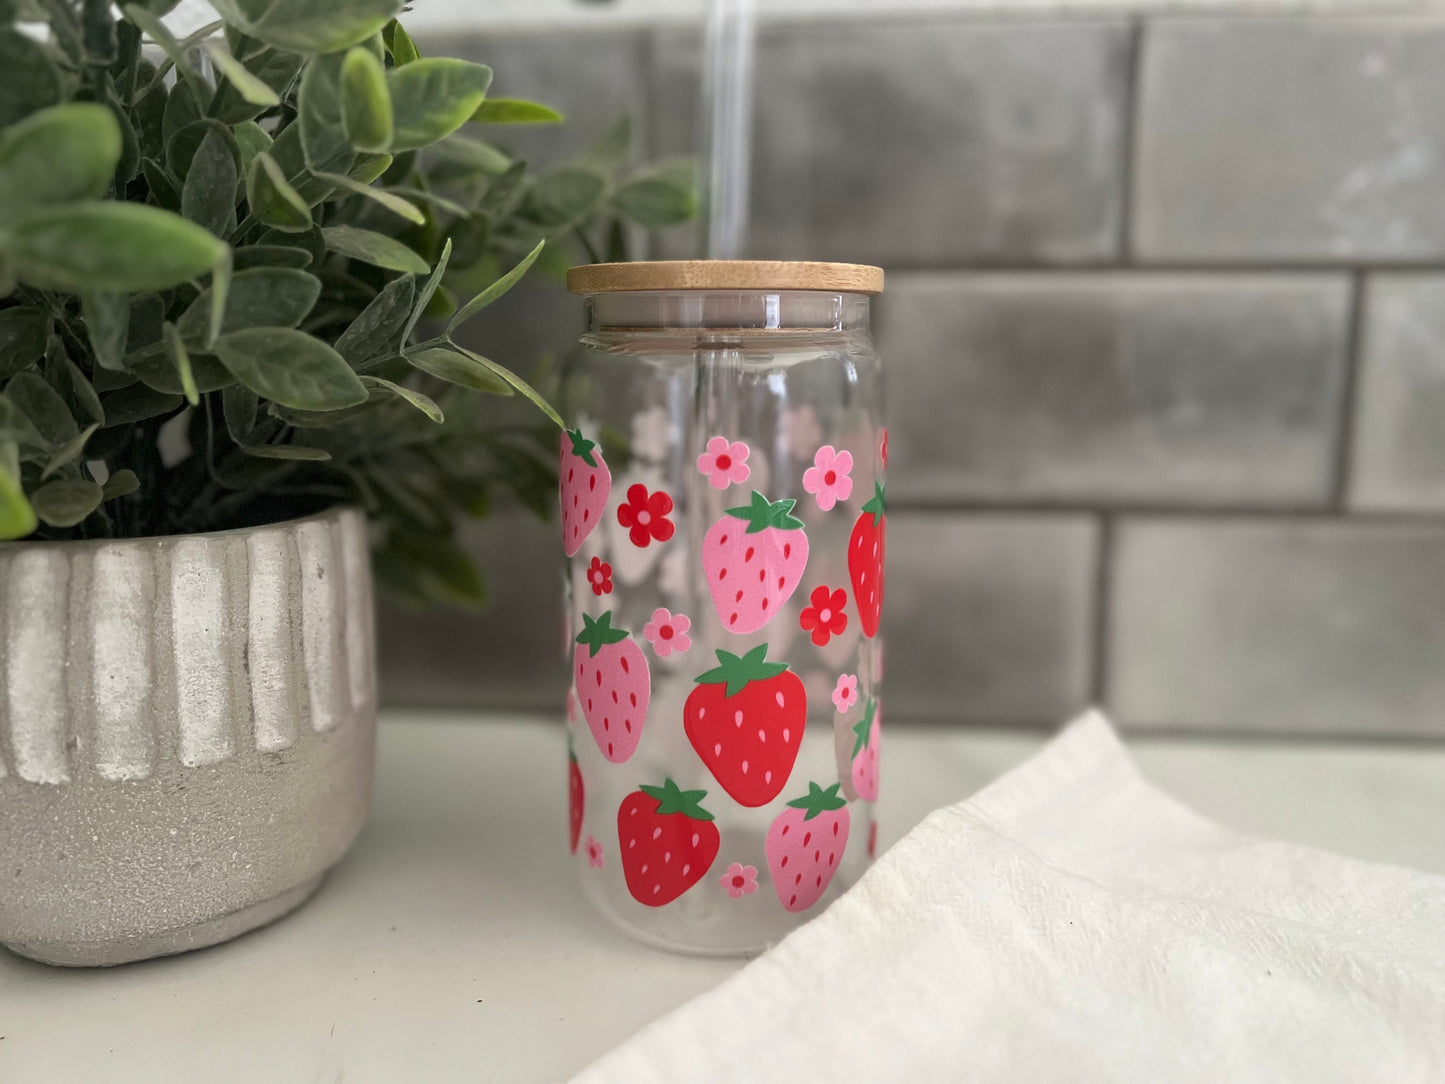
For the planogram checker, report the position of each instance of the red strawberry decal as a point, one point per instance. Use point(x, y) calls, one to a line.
point(746, 719)
point(865, 753)
point(614, 685)
point(586, 484)
point(668, 842)
point(805, 844)
point(865, 561)
point(753, 558)
point(576, 797)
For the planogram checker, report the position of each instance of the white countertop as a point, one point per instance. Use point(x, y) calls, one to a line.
point(452, 943)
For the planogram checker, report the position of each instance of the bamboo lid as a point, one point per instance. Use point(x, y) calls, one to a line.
point(603, 278)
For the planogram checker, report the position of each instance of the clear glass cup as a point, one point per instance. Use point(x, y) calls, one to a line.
point(723, 516)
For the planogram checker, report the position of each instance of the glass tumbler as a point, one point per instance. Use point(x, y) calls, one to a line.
point(723, 516)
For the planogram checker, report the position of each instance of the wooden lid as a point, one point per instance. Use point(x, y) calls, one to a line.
point(604, 278)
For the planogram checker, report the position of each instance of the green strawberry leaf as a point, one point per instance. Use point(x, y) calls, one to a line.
point(861, 728)
point(761, 514)
point(818, 800)
point(737, 673)
point(671, 798)
point(598, 632)
point(877, 505)
point(582, 447)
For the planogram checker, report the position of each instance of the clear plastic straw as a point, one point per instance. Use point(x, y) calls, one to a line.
point(728, 122)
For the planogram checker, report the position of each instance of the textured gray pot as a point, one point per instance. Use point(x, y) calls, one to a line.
point(186, 733)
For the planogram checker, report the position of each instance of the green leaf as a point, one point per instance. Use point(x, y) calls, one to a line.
point(176, 350)
point(120, 484)
point(58, 155)
point(252, 90)
point(495, 290)
point(157, 368)
point(273, 201)
point(66, 502)
point(84, 391)
point(68, 452)
point(180, 111)
point(97, 31)
point(610, 151)
point(308, 241)
point(737, 672)
point(239, 405)
point(137, 403)
point(452, 364)
point(22, 338)
point(460, 159)
point(251, 139)
point(107, 325)
point(424, 403)
point(760, 514)
point(290, 368)
point(656, 200)
point(504, 193)
point(368, 167)
point(209, 196)
point(108, 246)
point(365, 102)
point(147, 314)
point(309, 26)
point(158, 33)
point(182, 148)
point(395, 204)
point(564, 197)
point(259, 297)
point(373, 248)
point(434, 97)
point(272, 68)
point(818, 800)
point(286, 451)
point(672, 799)
point(165, 188)
point(518, 383)
point(515, 111)
point(31, 81)
point(253, 256)
point(318, 104)
point(149, 117)
point(17, 518)
point(374, 333)
point(17, 428)
point(46, 410)
point(427, 290)
point(399, 44)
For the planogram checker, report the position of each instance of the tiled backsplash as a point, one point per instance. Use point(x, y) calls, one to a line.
point(1165, 329)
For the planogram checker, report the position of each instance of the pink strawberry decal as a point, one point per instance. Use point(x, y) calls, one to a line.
point(865, 753)
point(586, 484)
point(746, 719)
point(805, 844)
point(668, 841)
point(753, 558)
point(613, 684)
point(865, 561)
point(576, 800)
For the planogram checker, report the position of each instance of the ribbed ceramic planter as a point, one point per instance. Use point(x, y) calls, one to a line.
point(186, 733)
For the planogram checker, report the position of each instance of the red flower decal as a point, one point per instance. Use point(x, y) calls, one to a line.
point(645, 515)
point(599, 575)
point(883, 447)
point(825, 617)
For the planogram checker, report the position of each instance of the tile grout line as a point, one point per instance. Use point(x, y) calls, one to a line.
point(1342, 463)
point(1129, 137)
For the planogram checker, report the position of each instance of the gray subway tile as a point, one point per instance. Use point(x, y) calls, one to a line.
point(1307, 626)
point(1190, 389)
point(1312, 139)
point(509, 656)
point(988, 618)
point(1399, 440)
point(922, 143)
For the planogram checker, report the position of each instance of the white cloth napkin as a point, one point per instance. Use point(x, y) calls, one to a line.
point(1073, 923)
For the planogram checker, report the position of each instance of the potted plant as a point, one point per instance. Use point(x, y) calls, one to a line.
point(231, 271)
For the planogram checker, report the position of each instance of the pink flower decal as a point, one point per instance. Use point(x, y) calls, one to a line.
point(825, 617)
point(594, 852)
point(599, 575)
point(845, 693)
point(667, 632)
point(740, 880)
point(645, 515)
point(827, 479)
point(724, 462)
point(883, 447)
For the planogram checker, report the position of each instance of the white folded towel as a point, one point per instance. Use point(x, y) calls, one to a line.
point(1073, 923)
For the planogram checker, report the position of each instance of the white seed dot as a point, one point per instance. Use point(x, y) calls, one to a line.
point(786, 733)
point(745, 767)
point(717, 749)
point(656, 832)
point(763, 736)
point(738, 718)
point(779, 698)
point(695, 839)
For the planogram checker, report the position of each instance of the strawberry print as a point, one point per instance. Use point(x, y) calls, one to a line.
point(825, 617)
point(865, 753)
point(865, 561)
point(576, 797)
point(753, 559)
point(586, 484)
point(668, 841)
point(746, 719)
point(613, 684)
point(645, 515)
point(805, 843)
